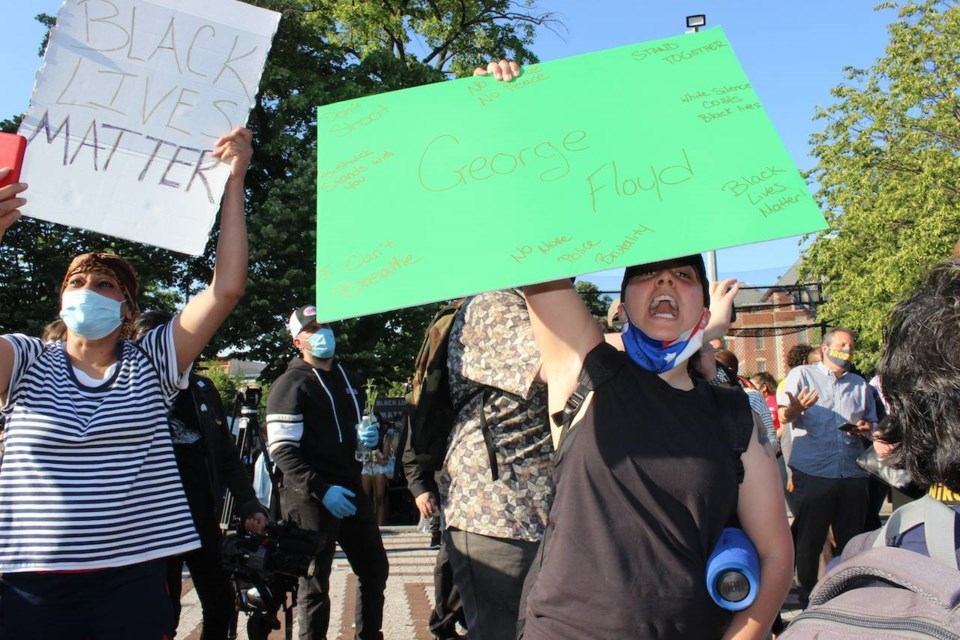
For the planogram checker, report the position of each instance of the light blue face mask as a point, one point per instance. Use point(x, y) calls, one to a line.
point(89, 314)
point(322, 343)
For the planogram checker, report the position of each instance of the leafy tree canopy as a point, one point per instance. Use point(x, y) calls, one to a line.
point(324, 51)
point(888, 171)
point(598, 303)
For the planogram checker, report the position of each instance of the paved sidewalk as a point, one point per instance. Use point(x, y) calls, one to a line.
point(409, 597)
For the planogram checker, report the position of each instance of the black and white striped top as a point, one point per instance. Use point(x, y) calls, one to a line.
point(88, 479)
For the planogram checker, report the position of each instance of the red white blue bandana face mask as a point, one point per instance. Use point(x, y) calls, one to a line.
point(658, 356)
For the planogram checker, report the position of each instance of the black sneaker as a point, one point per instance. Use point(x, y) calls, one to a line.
point(435, 540)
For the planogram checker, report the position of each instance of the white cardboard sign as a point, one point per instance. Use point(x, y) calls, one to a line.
point(129, 100)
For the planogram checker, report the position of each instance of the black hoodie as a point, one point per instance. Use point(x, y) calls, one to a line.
point(322, 454)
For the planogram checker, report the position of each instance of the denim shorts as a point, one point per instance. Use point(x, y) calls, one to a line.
point(386, 469)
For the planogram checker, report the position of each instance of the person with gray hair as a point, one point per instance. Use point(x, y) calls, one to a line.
point(832, 414)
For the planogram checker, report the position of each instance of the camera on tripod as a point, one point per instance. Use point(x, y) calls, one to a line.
point(265, 568)
point(248, 397)
point(285, 549)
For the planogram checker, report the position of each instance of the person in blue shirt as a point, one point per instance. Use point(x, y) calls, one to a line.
point(829, 488)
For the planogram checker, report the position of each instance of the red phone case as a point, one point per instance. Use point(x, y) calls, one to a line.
point(12, 148)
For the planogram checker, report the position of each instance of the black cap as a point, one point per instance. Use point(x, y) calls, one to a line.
point(301, 318)
point(695, 260)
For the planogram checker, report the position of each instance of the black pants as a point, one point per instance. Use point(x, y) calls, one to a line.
point(878, 490)
point(822, 503)
point(123, 603)
point(211, 582)
point(489, 573)
point(359, 537)
point(448, 610)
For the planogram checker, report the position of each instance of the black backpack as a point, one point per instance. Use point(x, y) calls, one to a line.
point(432, 411)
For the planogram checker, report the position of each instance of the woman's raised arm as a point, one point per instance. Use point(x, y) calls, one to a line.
point(10, 203)
point(565, 333)
point(202, 316)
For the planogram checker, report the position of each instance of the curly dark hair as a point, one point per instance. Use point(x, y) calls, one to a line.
point(797, 355)
point(920, 376)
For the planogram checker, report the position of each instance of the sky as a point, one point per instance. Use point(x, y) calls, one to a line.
point(793, 53)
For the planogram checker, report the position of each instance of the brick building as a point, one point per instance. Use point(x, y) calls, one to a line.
point(772, 320)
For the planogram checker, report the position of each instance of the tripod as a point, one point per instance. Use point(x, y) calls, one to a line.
point(261, 599)
point(250, 444)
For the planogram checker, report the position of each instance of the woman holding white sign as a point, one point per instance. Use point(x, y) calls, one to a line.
point(90, 497)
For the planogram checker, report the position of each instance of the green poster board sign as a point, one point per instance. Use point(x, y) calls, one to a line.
point(583, 164)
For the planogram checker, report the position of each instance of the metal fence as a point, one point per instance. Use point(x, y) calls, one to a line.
point(766, 348)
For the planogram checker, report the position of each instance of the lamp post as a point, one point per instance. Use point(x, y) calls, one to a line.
point(694, 24)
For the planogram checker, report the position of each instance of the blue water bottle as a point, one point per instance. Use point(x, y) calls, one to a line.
point(733, 571)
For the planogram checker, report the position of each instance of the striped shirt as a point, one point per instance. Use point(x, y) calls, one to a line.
point(759, 407)
point(89, 480)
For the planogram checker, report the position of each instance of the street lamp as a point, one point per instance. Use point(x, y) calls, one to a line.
point(695, 22)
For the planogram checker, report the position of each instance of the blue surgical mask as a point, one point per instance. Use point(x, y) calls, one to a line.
point(89, 314)
point(658, 356)
point(322, 343)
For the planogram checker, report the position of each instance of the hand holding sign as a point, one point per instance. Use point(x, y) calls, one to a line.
point(205, 312)
point(10, 203)
point(235, 149)
point(503, 70)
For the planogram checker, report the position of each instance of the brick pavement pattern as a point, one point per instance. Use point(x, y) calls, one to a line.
point(409, 597)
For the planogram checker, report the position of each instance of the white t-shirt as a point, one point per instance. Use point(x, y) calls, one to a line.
point(89, 479)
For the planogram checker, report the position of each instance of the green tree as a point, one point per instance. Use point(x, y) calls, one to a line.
point(888, 172)
point(226, 384)
point(598, 303)
point(324, 51)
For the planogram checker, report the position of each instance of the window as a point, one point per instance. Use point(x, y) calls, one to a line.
point(760, 342)
point(761, 365)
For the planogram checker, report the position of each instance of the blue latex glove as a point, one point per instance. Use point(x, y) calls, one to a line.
point(337, 501)
point(369, 434)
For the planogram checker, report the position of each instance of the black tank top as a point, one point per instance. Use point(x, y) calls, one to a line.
point(643, 492)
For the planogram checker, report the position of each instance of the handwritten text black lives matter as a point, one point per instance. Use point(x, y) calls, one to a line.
point(159, 82)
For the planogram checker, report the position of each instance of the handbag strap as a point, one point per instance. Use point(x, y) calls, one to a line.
point(600, 365)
